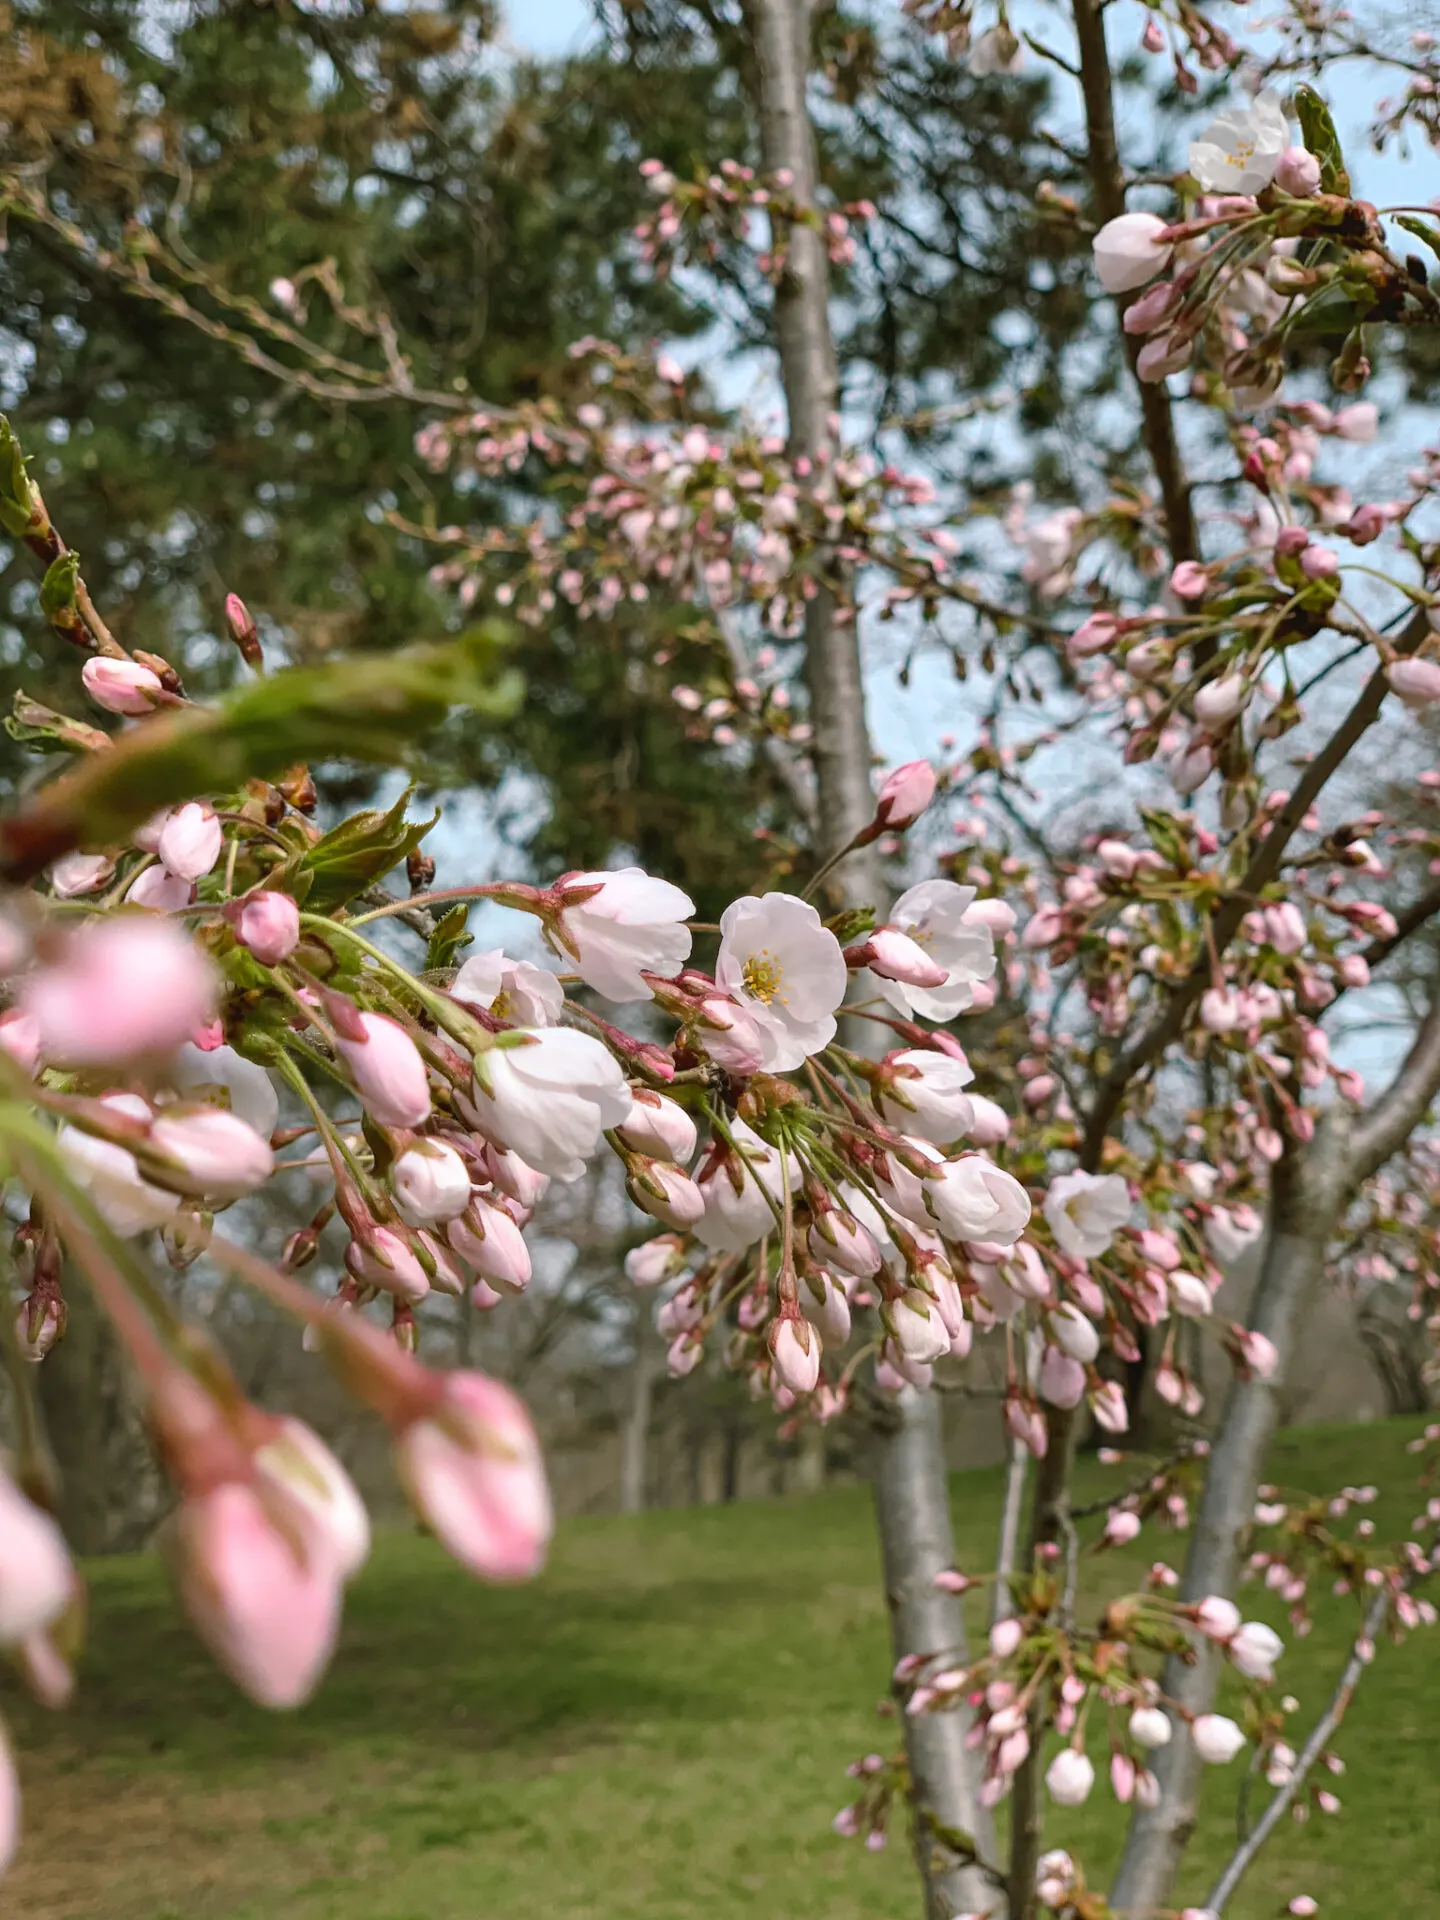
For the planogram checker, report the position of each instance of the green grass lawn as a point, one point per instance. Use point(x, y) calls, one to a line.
point(656, 1730)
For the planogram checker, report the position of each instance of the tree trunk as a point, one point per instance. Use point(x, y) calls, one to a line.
point(635, 1435)
point(1309, 1190)
point(112, 1495)
point(911, 1489)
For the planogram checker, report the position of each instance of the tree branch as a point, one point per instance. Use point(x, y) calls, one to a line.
point(1231, 910)
point(1107, 179)
point(1307, 1196)
point(912, 1496)
point(1384, 1128)
point(1240, 1861)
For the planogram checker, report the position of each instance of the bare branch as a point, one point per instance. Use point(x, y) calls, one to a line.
point(1107, 178)
point(1240, 1861)
point(1384, 1128)
point(1231, 910)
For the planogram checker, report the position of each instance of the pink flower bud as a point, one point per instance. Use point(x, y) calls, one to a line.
point(1121, 1527)
point(1417, 682)
point(430, 1183)
point(731, 1035)
point(1258, 1353)
point(123, 986)
point(1107, 1404)
point(190, 840)
point(294, 1466)
point(159, 890)
point(490, 1242)
point(121, 686)
point(1254, 1649)
point(989, 1123)
point(658, 1126)
point(1164, 354)
point(1359, 422)
point(1217, 1740)
point(1219, 701)
point(655, 1262)
point(1290, 542)
point(904, 795)
point(266, 1603)
point(1043, 928)
point(1153, 308)
point(998, 915)
point(1005, 1638)
point(1297, 172)
point(388, 1072)
point(1285, 928)
point(384, 1259)
point(1070, 1777)
point(666, 1192)
point(1190, 766)
point(795, 1349)
point(1366, 524)
point(1062, 1380)
point(20, 1038)
point(1189, 581)
point(37, 1581)
point(1220, 1010)
point(76, 874)
point(1319, 563)
point(895, 956)
point(1217, 1618)
point(209, 1152)
point(268, 925)
point(474, 1471)
point(1128, 253)
point(1098, 633)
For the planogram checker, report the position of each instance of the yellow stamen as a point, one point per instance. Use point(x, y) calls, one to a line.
point(762, 976)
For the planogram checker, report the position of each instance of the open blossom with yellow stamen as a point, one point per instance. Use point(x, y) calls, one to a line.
point(934, 915)
point(1240, 149)
point(786, 967)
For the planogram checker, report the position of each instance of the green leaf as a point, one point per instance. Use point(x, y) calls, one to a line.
point(41, 728)
point(852, 924)
point(1335, 309)
point(17, 498)
point(1322, 140)
point(1422, 230)
point(449, 937)
point(356, 709)
point(360, 851)
point(57, 589)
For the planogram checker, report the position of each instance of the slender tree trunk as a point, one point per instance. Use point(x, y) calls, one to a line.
point(1309, 1190)
point(111, 1494)
point(734, 1441)
point(911, 1489)
point(635, 1435)
point(809, 1471)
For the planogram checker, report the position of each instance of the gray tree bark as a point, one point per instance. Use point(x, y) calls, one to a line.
point(910, 1484)
point(1311, 1187)
point(111, 1492)
point(635, 1436)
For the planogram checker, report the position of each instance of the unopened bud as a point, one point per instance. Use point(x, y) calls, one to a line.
point(243, 632)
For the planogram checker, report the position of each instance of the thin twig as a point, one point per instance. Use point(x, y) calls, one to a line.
point(1240, 1861)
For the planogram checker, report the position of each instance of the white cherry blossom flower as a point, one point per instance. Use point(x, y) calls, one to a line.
point(1086, 1211)
point(515, 990)
point(1240, 149)
point(615, 925)
point(934, 915)
point(785, 966)
point(550, 1099)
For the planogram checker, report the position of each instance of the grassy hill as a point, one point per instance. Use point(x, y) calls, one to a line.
point(656, 1730)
